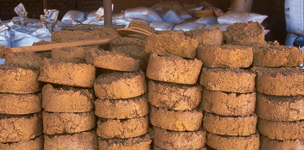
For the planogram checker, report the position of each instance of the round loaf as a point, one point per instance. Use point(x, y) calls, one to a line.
point(174, 96)
point(170, 68)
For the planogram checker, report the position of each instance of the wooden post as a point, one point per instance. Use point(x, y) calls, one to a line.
point(45, 4)
point(107, 5)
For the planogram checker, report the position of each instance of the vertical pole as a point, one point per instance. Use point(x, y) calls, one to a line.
point(44, 4)
point(107, 5)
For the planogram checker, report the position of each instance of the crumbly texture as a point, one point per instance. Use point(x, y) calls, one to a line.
point(67, 73)
point(174, 96)
point(228, 80)
point(18, 80)
point(280, 81)
point(134, 51)
point(123, 41)
point(277, 130)
point(112, 60)
point(35, 144)
point(20, 104)
point(207, 36)
point(24, 60)
point(218, 142)
point(78, 141)
point(120, 85)
point(179, 45)
point(279, 108)
point(233, 126)
point(59, 123)
point(66, 99)
point(231, 56)
point(178, 140)
point(67, 36)
point(175, 32)
point(22, 128)
point(142, 25)
point(71, 54)
point(155, 147)
point(275, 55)
point(268, 144)
point(228, 104)
point(136, 143)
point(170, 68)
point(244, 33)
point(176, 120)
point(122, 108)
point(114, 128)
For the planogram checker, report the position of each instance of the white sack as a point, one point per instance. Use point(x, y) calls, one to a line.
point(171, 16)
point(143, 13)
point(161, 26)
point(232, 17)
point(5, 38)
point(188, 26)
point(73, 17)
point(294, 16)
point(207, 20)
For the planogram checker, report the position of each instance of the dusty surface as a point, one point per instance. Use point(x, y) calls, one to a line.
point(35, 144)
point(268, 144)
point(112, 60)
point(59, 123)
point(123, 41)
point(228, 104)
point(20, 104)
point(174, 96)
point(275, 55)
point(207, 36)
point(280, 81)
point(244, 33)
point(120, 85)
point(66, 36)
point(66, 99)
point(178, 140)
point(122, 108)
point(78, 141)
point(142, 25)
point(72, 54)
point(157, 148)
point(18, 80)
point(24, 60)
point(175, 32)
point(66, 73)
point(170, 68)
point(228, 80)
point(278, 108)
point(233, 126)
point(277, 130)
point(218, 142)
point(22, 128)
point(114, 128)
point(179, 45)
point(176, 120)
point(231, 56)
point(136, 143)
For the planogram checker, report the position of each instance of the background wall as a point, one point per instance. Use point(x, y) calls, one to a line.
point(273, 8)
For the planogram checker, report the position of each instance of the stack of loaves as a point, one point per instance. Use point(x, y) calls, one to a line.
point(174, 97)
point(121, 104)
point(20, 103)
point(280, 101)
point(68, 117)
point(229, 97)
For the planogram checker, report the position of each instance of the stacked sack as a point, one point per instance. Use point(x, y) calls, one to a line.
point(68, 117)
point(173, 93)
point(229, 97)
point(20, 103)
point(121, 104)
point(280, 101)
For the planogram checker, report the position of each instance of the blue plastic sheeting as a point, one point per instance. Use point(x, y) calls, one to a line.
point(2, 61)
